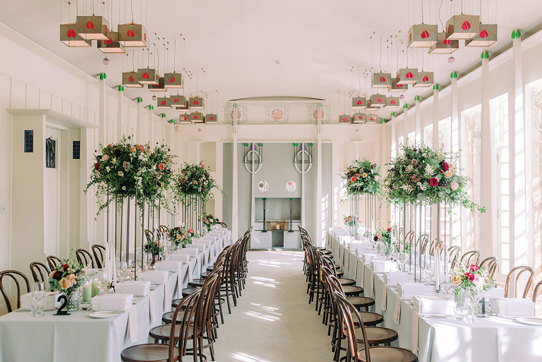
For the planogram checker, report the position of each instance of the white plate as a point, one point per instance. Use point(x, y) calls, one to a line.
point(532, 321)
point(102, 314)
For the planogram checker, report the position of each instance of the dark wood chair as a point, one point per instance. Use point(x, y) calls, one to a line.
point(367, 351)
point(512, 289)
point(99, 255)
point(20, 280)
point(223, 224)
point(84, 257)
point(40, 272)
point(490, 263)
point(53, 262)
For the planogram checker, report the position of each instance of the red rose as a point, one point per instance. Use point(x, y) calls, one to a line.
point(190, 230)
point(351, 172)
point(140, 148)
point(353, 179)
point(57, 275)
point(65, 266)
point(96, 165)
point(433, 182)
point(389, 229)
point(474, 267)
point(469, 276)
point(445, 166)
point(161, 166)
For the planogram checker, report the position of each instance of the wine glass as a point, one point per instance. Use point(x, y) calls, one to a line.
point(39, 293)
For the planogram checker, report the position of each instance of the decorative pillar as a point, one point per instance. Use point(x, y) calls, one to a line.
point(486, 230)
point(404, 130)
point(436, 90)
point(120, 130)
point(418, 120)
point(235, 196)
point(320, 231)
point(139, 122)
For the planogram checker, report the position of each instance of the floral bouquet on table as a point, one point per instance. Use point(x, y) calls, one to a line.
point(195, 179)
point(351, 220)
point(181, 236)
point(67, 278)
point(209, 221)
point(154, 248)
point(422, 174)
point(471, 277)
point(383, 238)
point(362, 177)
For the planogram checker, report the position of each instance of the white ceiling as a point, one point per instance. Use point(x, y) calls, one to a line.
point(237, 42)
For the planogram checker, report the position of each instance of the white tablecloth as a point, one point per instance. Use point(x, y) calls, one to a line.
point(492, 339)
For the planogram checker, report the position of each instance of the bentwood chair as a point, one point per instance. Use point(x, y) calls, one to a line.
point(436, 246)
point(84, 258)
point(453, 255)
point(513, 288)
point(490, 263)
point(20, 280)
point(53, 262)
point(537, 290)
point(366, 351)
point(40, 272)
point(470, 258)
point(223, 224)
point(99, 255)
point(170, 352)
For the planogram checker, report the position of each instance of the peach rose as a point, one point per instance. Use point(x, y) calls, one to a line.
point(456, 279)
point(447, 174)
point(64, 283)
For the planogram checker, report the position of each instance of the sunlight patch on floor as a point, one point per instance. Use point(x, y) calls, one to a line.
point(262, 316)
point(243, 357)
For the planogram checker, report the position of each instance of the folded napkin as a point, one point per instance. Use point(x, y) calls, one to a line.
point(392, 278)
point(169, 265)
point(133, 325)
point(188, 251)
point(384, 298)
point(383, 266)
point(496, 292)
point(397, 311)
point(138, 288)
point(178, 257)
point(512, 307)
point(115, 302)
point(367, 257)
point(434, 305)
point(155, 276)
point(408, 290)
point(415, 332)
point(50, 302)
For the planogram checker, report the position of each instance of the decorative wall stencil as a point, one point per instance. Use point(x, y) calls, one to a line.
point(50, 153)
point(263, 186)
point(303, 156)
point(277, 113)
point(253, 157)
point(236, 112)
point(291, 186)
point(317, 112)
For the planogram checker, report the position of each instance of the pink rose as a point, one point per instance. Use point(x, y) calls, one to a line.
point(454, 185)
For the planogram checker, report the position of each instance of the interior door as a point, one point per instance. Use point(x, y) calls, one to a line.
point(52, 191)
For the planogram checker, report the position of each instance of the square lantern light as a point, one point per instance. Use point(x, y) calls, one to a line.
point(373, 118)
point(344, 118)
point(359, 118)
point(147, 76)
point(422, 36)
point(111, 44)
point(407, 76)
point(178, 102)
point(359, 102)
point(131, 80)
point(381, 80)
point(69, 36)
point(392, 102)
point(211, 118)
point(173, 80)
point(443, 45)
point(184, 118)
point(377, 101)
point(159, 87)
point(462, 27)
point(397, 88)
point(92, 27)
point(196, 117)
point(425, 80)
point(195, 102)
point(163, 103)
point(486, 37)
point(132, 35)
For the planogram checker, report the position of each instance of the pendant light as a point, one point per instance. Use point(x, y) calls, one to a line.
point(111, 44)
point(174, 79)
point(462, 26)
point(212, 117)
point(422, 35)
point(359, 118)
point(487, 35)
point(131, 79)
point(69, 36)
point(132, 34)
point(380, 79)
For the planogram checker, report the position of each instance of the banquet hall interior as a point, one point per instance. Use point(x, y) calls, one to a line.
point(271, 181)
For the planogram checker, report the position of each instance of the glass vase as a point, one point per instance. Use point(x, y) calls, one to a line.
point(73, 301)
point(467, 304)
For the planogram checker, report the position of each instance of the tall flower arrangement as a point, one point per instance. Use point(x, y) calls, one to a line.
point(362, 177)
point(422, 174)
point(351, 220)
point(195, 180)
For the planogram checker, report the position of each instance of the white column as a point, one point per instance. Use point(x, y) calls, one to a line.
point(435, 116)
point(418, 120)
point(139, 123)
point(234, 197)
point(120, 114)
point(404, 124)
point(320, 232)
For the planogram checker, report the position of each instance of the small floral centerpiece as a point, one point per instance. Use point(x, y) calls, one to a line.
point(470, 282)
point(362, 177)
point(67, 278)
point(384, 238)
point(195, 179)
point(351, 220)
point(181, 236)
point(154, 248)
point(209, 221)
point(421, 174)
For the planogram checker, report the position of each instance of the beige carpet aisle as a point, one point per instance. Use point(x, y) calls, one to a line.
point(273, 321)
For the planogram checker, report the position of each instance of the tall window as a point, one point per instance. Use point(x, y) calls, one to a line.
point(444, 134)
point(499, 120)
point(428, 135)
point(471, 122)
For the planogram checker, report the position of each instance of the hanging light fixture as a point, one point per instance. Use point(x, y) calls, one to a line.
point(407, 76)
point(211, 118)
point(132, 35)
point(178, 102)
point(147, 76)
point(425, 80)
point(359, 118)
point(377, 101)
point(359, 102)
point(392, 102)
point(344, 118)
point(196, 117)
point(159, 87)
point(486, 37)
point(174, 79)
point(69, 36)
point(195, 102)
point(373, 118)
point(163, 103)
point(422, 35)
point(462, 26)
point(397, 88)
point(92, 27)
point(131, 79)
point(111, 44)
point(183, 118)
point(443, 45)
point(381, 80)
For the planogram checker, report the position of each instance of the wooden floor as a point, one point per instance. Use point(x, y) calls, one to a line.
point(273, 321)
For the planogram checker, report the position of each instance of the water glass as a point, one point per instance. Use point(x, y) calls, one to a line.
point(39, 298)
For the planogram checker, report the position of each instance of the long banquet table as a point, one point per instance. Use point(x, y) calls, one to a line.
point(78, 337)
point(436, 339)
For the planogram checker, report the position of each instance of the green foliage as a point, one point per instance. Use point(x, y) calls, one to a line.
point(195, 180)
point(181, 235)
point(362, 177)
point(68, 276)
